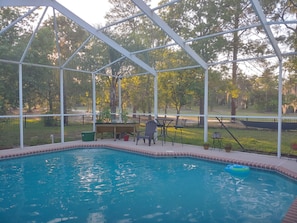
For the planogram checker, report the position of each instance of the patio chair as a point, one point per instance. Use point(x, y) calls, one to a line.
point(217, 140)
point(150, 128)
point(179, 125)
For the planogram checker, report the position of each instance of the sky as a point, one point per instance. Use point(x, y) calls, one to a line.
point(92, 11)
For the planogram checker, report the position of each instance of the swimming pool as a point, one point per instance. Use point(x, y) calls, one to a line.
point(102, 185)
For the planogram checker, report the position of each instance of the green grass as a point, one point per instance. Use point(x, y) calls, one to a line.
point(36, 133)
point(259, 141)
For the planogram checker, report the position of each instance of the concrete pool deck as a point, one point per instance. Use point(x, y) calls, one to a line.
point(284, 166)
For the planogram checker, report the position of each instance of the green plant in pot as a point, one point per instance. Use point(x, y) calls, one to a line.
point(228, 147)
point(104, 116)
point(124, 116)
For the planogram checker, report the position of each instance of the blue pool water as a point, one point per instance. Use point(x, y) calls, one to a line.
point(102, 185)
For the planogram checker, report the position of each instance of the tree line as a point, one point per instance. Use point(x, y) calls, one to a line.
point(232, 84)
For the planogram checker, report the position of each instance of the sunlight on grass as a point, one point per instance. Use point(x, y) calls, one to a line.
point(36, 133)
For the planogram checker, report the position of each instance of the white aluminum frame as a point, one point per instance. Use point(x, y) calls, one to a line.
point(146, 10)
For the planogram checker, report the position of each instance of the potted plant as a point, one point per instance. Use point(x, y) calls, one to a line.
point(126, 137)
point(124, 116)
point(104, 116)
point(206, 145)
point(228, 147)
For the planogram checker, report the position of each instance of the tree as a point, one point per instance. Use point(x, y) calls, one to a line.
point(290, 92)
point(132, 35)
point(70, 36)
point(39, 85)
point(192, 18)
point(12, 43)
point(287, 10)
point(266, 92)
point(245, 89)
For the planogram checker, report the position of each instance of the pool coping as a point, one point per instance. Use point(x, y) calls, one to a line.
point(285, 167)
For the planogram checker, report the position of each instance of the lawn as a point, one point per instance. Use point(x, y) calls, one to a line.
point(36, 133)
point(253, 140)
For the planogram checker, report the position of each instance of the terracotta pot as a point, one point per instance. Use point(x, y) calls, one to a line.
point(228, 148)
point(206, 146)
point(126, 137)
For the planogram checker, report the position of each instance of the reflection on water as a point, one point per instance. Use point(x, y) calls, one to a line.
point(100, 185)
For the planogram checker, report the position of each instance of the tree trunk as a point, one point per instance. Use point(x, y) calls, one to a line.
point(149, 104)
point(134, 111)
point(201, 108)
point(65, 103)
point(234, 64)
point(65, 111)
point(112, 98)
point(50, 98)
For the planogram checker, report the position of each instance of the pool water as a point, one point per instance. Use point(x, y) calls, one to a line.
point(102, 185)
